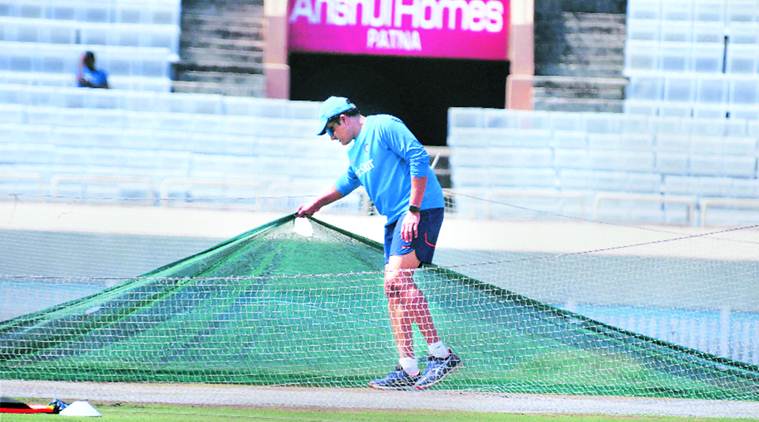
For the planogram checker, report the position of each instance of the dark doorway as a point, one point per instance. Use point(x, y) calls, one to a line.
point(419, 91)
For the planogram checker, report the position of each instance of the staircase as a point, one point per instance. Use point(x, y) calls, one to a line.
point(579, 55)
point(221, 48)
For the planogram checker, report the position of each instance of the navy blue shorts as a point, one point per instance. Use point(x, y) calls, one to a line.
point(423, 244)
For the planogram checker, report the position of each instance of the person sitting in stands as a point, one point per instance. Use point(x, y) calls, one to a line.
point(89, 76)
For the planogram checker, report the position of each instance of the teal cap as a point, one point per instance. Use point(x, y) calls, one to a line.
point(331, 107)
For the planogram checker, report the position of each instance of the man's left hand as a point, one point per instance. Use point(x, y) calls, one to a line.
point(409, 229)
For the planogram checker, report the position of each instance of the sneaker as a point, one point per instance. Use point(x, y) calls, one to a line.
point(437, 369)
point(395, 380)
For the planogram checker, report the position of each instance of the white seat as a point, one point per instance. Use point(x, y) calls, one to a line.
point(672, 163)
point(709, 165)
point(569, 139)
point(466, 117)
point(707, 58)
point(641, 107)
point(744, 112)
point(523, 177)
point(724, 145)
point(610, 181)
point(740, 11)
point(645, 88)
point(470, 177)
point(624, 142)
point(622, 160)
point(675, 57)
point(518, 157)
point(517, 119)
point(679, 89)
point(676, 11)
point(641, 56)
point(707, 111)
point(644, 10)
point(675, 109)
point(37, 30)
point(744, 188)
point(709, 33)
point(744, 91)
point(742, 59)
point(711, 90)
point(65, 58)
point(643, 30)
point(743, 33)
point(134, 35)
point(712, 11)
point(673, 142)
point(605, 122)
point(676, 32)
point(467, 157)
point(572, 158)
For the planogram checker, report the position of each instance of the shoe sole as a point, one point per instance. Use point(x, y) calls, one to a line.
point(383, 388)
point(454, 369)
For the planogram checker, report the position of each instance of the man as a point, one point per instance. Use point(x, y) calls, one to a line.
point(89, 76)
point(394, 169)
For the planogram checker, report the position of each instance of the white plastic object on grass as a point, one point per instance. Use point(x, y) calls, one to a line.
point(80, 408)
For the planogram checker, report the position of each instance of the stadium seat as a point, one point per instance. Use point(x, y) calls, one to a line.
point(641, 57)
point(64, 59)
point(132, 35)
point(643, 30)
point(676, 12)
point(572, 159)
point(465, 117)
point(744, 91)
point(709, 11)
point(707, 58)
point(675, 57)
point(645, 88)
point(569, 139)
point(676, 32)
point(740, 11)
point(37, 31)
point(517, 157)
point(742, 59)
point(672, 163)
point(649, 10)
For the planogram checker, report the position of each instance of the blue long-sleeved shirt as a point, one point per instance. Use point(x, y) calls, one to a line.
point(383, 158)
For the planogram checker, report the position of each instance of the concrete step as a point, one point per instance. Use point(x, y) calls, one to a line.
point(579, 104)
point(204, 57)
point(249, 25)
point(580, 87)
point(582, 70)
point(215, 43)
point(588, 6)
point(223, 77)
point(242, 90)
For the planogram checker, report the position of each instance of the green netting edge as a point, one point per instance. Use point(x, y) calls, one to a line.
point(590, 324)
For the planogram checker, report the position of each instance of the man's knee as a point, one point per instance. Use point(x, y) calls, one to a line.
point(397, 282)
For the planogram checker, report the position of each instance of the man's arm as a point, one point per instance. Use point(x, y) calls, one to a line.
point(316, 205)
point(410, 225)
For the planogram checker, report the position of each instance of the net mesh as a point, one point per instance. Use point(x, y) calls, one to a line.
point(275, 307)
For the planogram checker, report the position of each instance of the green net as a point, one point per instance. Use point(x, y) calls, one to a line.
point(277, 307)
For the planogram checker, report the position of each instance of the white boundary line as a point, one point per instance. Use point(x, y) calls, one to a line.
point(344, 398)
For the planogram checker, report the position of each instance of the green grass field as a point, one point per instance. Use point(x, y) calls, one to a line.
point(166, 413)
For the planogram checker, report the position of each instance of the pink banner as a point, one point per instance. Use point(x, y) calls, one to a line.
point(465, 29)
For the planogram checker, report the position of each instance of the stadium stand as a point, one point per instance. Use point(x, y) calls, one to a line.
point(135, 41)
point(695, 58)
point(606, 165)
point(221, 48)
point(579, 55)
point(160, 148)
